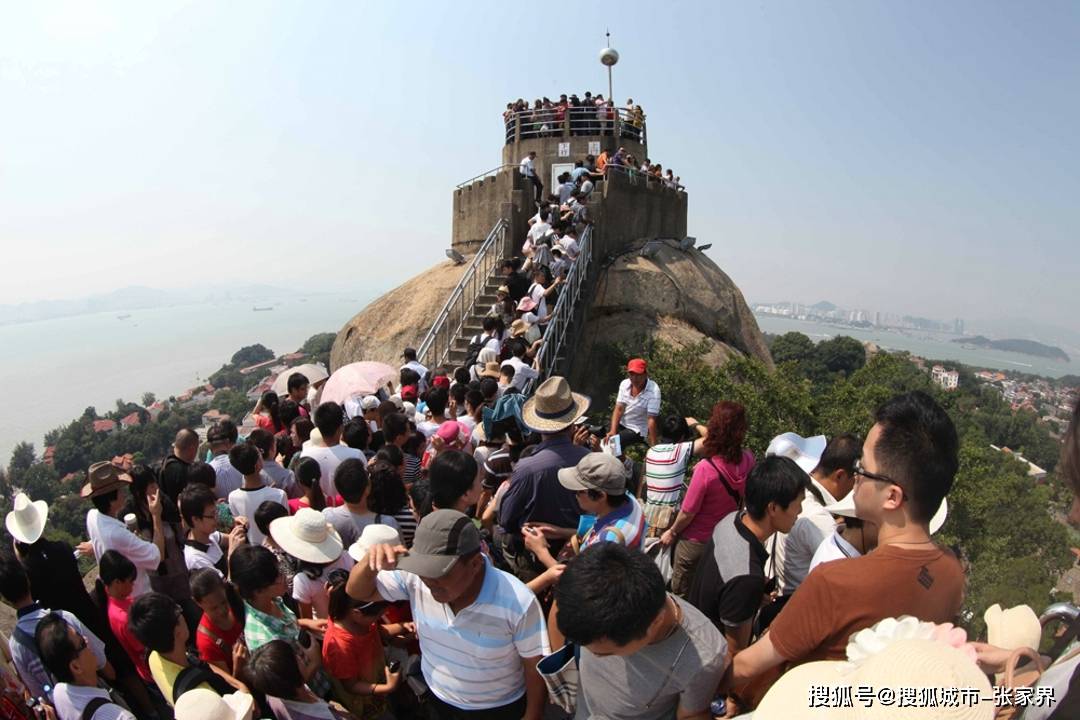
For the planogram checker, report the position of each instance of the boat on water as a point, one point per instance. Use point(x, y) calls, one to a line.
point(261, 309)
point(123, 317)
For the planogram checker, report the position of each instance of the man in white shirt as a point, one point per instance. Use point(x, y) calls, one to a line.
point(569, 244)
point(523, 372)
point(409, 355)
point(107, 532)
point(637, 407)
point(330, 420)
point(222, 437)
point(528, 170)
point(67, 653)
point(245, 500)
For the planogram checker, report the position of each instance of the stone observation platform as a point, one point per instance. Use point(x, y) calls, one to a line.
point(638, 276)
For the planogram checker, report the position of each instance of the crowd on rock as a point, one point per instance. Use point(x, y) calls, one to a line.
point(451, 547)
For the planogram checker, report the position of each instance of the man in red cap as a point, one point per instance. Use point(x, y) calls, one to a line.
point(636, 407)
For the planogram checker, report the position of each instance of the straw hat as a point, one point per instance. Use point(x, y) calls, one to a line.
point(202, 704)
point(104, 477)
point(27, 521)
point(908, 663)
point(553, 407)
point(518, 328)
point(491, 370)
point(374, 534)
point(307, 536)
point(1013, 628)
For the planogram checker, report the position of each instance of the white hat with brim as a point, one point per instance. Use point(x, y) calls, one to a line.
point(374, 534)
point(26, 521)
point(903, 664)
point(845, 507)
point(806, 452)
point(307, 536)
point(1013, 628)
point(553, 407)
point(203, 704)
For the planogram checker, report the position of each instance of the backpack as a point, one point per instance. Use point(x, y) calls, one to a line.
point(92, 707)
point(195, 675)
point(473, 353)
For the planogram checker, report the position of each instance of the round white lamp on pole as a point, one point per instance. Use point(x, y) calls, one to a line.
point(608, 57)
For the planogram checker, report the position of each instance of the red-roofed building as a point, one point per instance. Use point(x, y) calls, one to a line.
point(124, 461)
point(47, 458)
point(131, 420)
point(214, 416)
point(104, 426)
point(155, 410)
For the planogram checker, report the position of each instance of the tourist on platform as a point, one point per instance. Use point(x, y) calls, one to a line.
point(637, 407)
point(222, 437)
point(257, 576)
point(716, 489)
point(309, 478)
point(535, 497)
point(309, 538)
point(349, 520)
point(66, 653)
point(643, 652)
point(527, 168)
point(219, 636)
point(298, 386)
point(681, 439)
point(108, 532)
point(523, 371)
point(205, 546)
point(284, 674)
point(483, 664)
point(274, 475)
point(330, 419)
point(116, 578)
point(909, 461)
point(265, 514)
point(173, 474)
point(243, 501)
point(267, 413)
point(516, 282)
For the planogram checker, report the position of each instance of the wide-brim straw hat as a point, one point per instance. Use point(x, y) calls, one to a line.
point(1013, 628)
point(307, 536)
point(909, 663)
point(554, 407)
point(491, 370)
point(519, 327)
point(26, 521)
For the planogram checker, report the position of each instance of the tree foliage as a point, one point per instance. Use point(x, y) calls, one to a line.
point(251, 355)
point(233, 403)
point(317, 347)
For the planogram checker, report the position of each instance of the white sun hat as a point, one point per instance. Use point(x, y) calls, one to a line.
point(202, 704)
point(374, 534)
point(845, 507)
point(806, 452)
point(26, 521)
point(307, 536)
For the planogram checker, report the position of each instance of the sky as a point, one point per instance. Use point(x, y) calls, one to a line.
point(911, 157)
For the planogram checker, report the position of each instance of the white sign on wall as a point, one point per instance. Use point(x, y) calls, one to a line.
point(594, 147)
point(564, 149)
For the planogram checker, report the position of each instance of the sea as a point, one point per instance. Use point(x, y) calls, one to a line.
point(54, 369)
point(932, 346)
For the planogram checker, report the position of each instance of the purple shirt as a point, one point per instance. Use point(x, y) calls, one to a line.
point(535, 494)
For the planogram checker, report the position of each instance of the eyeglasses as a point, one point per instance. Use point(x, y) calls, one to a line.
point(83, 644)
point(860, 471)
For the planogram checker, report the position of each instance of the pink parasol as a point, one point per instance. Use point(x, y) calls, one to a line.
point(358, 378)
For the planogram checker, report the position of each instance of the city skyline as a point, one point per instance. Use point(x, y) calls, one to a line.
point(872, 154)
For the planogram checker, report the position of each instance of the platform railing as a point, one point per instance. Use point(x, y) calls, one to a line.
point(560, 328)
point(556, 122)
point(436, 346)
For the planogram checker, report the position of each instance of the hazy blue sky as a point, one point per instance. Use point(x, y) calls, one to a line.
point(909, 156)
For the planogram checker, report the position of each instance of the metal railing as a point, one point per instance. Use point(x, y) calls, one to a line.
point(566, 122)
point(447, 327)
point(492, 171)
point(560, 326)
point(638, 175)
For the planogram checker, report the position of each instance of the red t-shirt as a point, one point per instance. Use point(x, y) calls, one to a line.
point(215, 644)
point(707, 497)
point(353, 657)
point(118, 617)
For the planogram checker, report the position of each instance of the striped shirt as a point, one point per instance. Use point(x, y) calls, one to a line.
point(665, 481)
point(629, 522)
point(472, 660)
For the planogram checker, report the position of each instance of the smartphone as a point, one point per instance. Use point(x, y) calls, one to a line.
point(303, 638)
point(394, 666)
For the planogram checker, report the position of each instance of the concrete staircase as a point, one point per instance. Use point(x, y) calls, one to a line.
point(473, 324)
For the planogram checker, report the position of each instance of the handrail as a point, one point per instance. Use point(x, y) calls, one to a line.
point(562, 317)
point(483, 175)
point(545, 122)
point(633, 173)
point(451, 319)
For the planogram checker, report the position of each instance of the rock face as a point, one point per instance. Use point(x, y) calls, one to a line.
point(398, 319)
point(679, 297)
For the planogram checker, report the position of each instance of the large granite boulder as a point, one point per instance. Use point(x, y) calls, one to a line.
point(680, 297)
point(398, 319)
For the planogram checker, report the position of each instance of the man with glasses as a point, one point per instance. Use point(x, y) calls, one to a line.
point(909, 461)
point(644, 653)
point(69, 657)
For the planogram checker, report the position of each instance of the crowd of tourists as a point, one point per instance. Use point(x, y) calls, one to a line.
point(453, 548)
point(587, 115)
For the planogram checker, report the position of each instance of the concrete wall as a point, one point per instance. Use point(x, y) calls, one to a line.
point(476, 208)
point(630, 210)
point(547, 151)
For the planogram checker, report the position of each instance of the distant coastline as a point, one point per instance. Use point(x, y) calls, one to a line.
point(1024, 347)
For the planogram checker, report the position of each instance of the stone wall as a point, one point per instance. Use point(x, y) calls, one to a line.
point(477, 206)
point(629, 210)
point(547, 151)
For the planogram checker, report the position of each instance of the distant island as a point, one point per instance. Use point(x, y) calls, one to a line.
point(1027, 347)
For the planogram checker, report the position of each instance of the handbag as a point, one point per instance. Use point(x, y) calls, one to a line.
point(560, 673)
point(1022, 670)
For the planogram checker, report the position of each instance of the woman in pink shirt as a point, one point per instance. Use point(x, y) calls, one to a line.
point(716, 489)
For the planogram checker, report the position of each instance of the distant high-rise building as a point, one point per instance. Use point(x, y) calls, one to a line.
point(958, 326)
point(877, 318)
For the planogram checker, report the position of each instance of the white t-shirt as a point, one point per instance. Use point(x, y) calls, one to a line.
point(639, 409)
point(243, 502)
point(570, 246)
point(539, 230)
point(536, 292)
point(198, 556)
point(794, 551)
point(329, 458)
point(527, 168)
point(228, 477)
point(523, 372)
point(70, 701)
point(834, 547)
point(313, 590)
point(428, 427)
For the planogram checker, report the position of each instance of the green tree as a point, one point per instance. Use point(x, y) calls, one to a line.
point(841, 355)
point(22, 458)
point(40, 482)
point(251, 355)
point(148, 399)
point(317, 347)
point(792, 347)
point(233, 403)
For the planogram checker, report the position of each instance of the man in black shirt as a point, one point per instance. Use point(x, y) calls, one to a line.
point(172, 478)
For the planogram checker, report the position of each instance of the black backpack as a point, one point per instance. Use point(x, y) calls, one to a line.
point(195, 675)
point(473, 353)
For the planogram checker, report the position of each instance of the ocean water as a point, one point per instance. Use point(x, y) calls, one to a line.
point(933, 346)
point(53, 369)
